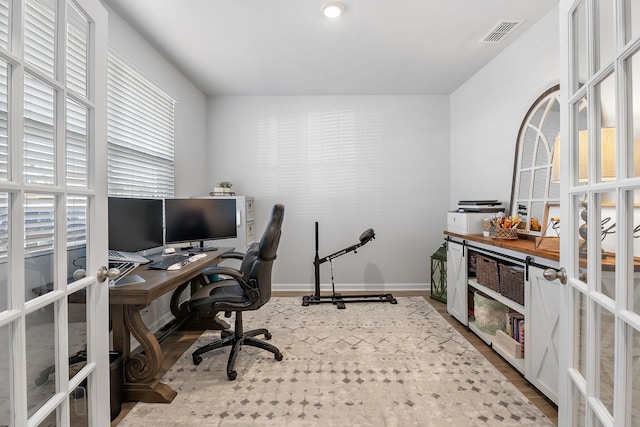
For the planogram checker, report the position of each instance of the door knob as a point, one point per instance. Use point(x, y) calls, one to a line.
point(552, 274)
point(104, 273)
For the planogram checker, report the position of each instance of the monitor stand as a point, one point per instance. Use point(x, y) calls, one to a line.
point(201, 248)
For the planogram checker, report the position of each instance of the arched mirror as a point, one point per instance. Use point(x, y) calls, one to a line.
point(535, 182)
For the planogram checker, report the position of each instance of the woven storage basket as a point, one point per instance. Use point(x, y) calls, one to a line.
point(490, 315)
point(512, 283)
point(506, 233)
point(487, 273)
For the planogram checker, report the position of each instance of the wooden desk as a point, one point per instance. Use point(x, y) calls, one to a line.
point(141, 382)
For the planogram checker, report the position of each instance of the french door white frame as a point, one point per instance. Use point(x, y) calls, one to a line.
point(588, 307)
point(14, 318)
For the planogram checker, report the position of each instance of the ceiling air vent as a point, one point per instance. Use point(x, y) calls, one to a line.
point(500, 31)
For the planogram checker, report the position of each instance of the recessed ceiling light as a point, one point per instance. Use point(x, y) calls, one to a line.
point(333, 9)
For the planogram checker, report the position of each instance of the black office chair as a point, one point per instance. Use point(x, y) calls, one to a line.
point(248, 289)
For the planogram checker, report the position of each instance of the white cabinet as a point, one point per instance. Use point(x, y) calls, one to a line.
point(457, 282)
point(540, 363)
point(245, 218)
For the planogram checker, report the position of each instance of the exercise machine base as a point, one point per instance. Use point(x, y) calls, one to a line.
point(339, 300)
point(335, 298)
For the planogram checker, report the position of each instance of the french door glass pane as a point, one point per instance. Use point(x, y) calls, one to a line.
point(39, 132)
point(633, 245)
point(606, 233)
point(632, 21)
point(77, 48)
point(606, 356)
point(581, 140)
point(578, 408)
point(41, 346)
point(633, 65)
point(76, 224)
point(606, 143)
point(581, 332)
point(635, 372)
point(580, 210)
point(579, 23)
point(39, 35)
point(5, 376)
point(38, 244)
point(79, 405)
point(4, 250)
point(77, 144)
point(77, 330)
point(4, 124)
point(4, 26)
point(606, 15)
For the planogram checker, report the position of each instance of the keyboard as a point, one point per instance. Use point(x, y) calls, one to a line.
point(175, 262)
point(120, 256)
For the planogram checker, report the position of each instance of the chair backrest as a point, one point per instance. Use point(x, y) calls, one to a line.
point(249, 256)
point(261, 267)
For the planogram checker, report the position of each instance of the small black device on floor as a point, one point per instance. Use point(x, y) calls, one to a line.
point(339, 299)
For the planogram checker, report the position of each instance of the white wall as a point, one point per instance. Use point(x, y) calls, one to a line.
point(190, 125)
point(488, 109)
point(191, 103)
point(350, 163)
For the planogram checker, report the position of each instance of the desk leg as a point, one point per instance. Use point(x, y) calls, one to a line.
point(141, 369)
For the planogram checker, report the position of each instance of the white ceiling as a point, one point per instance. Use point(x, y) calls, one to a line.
point(287, 47)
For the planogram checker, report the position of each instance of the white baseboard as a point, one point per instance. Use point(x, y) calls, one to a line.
point(351, 287)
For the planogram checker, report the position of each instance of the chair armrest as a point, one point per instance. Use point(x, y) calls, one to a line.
point(233, 255)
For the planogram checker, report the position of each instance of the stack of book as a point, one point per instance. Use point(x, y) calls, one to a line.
point(515, 329)
point(491, 206)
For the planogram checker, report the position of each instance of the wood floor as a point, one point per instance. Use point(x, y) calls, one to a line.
point(177, 343)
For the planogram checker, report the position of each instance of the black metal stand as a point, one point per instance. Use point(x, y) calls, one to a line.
point(335, 298)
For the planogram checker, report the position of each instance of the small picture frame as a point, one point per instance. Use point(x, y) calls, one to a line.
point(551, 222)
point(549, 239)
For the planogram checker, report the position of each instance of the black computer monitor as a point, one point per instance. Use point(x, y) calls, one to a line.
point(197, 220)
point(135, 224)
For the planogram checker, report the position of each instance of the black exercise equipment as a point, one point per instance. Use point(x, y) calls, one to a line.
point(335, 298)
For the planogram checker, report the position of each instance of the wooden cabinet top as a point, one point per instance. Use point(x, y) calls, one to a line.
point(518, 245)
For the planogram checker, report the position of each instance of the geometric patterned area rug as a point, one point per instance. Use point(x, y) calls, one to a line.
point(372, 364)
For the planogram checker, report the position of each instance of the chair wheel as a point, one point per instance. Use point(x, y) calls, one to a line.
point(267, 336)
point(279, 357)
point(197, 360)
point(232, 375)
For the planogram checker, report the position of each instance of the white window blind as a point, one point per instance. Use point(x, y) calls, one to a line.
point(41, 114)
point(140, 135)
point(39, 109)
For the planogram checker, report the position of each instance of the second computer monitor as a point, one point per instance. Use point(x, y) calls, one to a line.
point(198, 220)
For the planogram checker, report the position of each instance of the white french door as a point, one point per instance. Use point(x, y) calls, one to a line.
point(53, 213)
point(600, 212)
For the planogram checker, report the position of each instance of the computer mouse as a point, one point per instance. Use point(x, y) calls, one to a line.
point(173, 267)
